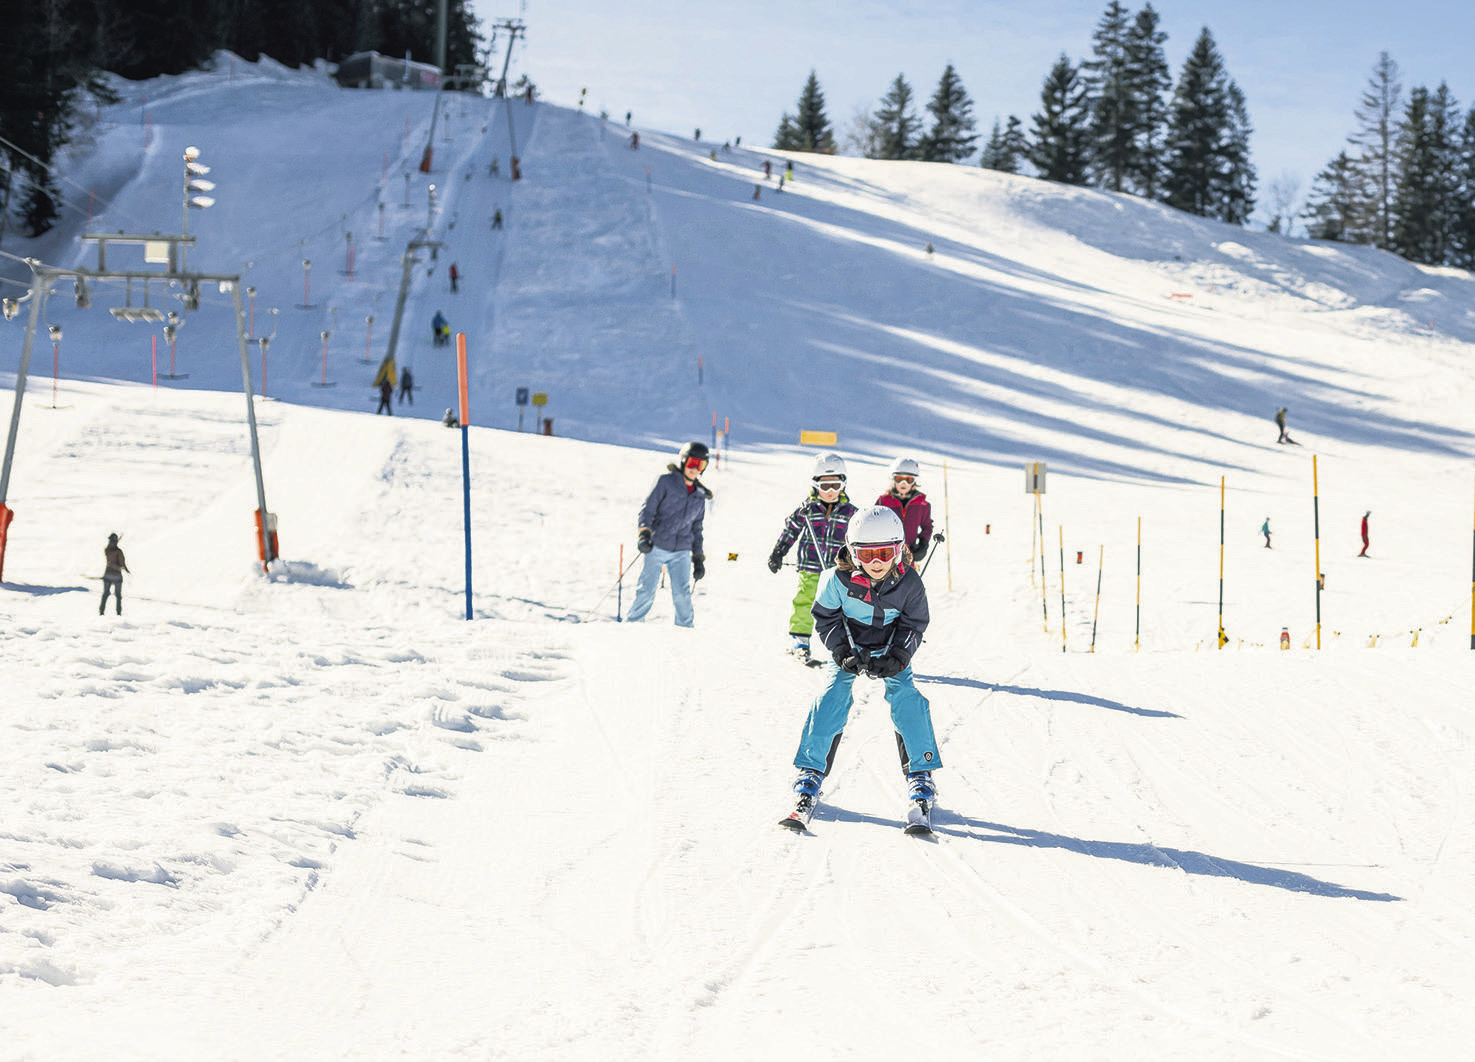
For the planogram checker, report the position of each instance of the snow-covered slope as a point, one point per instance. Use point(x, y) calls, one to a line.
point(316, 814)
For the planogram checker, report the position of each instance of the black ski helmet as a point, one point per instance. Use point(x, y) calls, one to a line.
point(693, 449)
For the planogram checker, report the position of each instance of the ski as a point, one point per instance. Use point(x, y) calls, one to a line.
point(798, 819)
point(919, 819)
point(802, 654)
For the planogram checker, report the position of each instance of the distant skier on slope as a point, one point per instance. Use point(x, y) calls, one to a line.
point(1280, 422)
point(112, 576)
point(818, 525)
point(870, 612)
point(1364, 532)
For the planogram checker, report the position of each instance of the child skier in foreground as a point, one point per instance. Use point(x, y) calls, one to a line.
point(870, 611)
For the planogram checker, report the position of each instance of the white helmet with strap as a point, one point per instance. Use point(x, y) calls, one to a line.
point(905, 466)
point(876, 525)
point(829, 466)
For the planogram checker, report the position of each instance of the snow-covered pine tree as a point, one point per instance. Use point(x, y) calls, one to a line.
point(1060, 149)
point(897, 124)
point(1149, 80)
point(809, 130)
point(951, 137)
point(1376, 143)
point(1111, 100)
point(1006, 147)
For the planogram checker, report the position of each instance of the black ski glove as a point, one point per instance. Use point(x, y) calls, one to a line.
point(775, 559)
point(645, 541)
point(698, 566)
point(846, 660)
point(885, 666)
point(919, 551)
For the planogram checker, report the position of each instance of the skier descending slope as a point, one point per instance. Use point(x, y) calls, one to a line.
point(818, 526)
point(870, 611)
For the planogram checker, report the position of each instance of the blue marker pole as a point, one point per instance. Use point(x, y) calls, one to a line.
point(465, 459)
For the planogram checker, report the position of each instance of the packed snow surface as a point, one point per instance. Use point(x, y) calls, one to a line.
point(314, 813)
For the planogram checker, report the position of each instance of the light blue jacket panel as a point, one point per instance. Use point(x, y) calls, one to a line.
point(889, 616)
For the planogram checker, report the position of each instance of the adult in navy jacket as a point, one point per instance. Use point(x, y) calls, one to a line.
point(670, 534)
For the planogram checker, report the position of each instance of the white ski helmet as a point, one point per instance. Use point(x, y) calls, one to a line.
point(829, 466)
point(905, 466)
point(875, 525)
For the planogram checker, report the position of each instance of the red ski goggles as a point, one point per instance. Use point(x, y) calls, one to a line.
point(872, 554)
point(904, 479)
point(698, 463)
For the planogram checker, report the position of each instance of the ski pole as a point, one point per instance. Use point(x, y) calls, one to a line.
point(932, 553)
point(618, 582)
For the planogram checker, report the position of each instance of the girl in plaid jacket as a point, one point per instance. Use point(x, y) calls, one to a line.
point(818, 526)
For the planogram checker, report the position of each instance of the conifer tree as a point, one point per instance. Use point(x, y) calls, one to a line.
point(897, 124)
point(1060, 149)
point(787, 137)
point(809, 130)
point(951, 137)
point(50, 59)
point(1208, 168)
point(1424, 191)
point(1445, 120)
point(1149, 81)
point(1413, 206)
point(1334, 198)
point(1376, 143)
point(1234, 186)
point(1006, 147)
point(1112, 101)
point(1462, 211)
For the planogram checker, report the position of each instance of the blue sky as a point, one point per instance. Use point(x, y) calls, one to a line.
point(732, 69)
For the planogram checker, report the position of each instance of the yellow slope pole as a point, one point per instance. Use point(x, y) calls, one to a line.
point(1096, 615)
point(1137, 633)
point(1316, 531)
point(1044, 582)
point(1062, 587)
point(1222, 636)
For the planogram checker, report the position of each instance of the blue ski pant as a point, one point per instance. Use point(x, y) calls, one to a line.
point(910, 715)
point(678, 565)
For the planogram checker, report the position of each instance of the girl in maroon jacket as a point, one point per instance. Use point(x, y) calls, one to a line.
point(911, 505)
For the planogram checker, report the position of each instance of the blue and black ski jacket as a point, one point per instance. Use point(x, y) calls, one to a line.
point(889, 616)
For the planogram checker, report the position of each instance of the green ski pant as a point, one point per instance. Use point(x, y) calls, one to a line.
point(802, 621)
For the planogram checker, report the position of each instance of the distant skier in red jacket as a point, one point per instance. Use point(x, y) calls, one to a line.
point(911, 505)
point(1364, 532)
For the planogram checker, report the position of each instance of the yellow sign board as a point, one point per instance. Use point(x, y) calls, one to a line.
point(818, 438)
point(540, 398)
